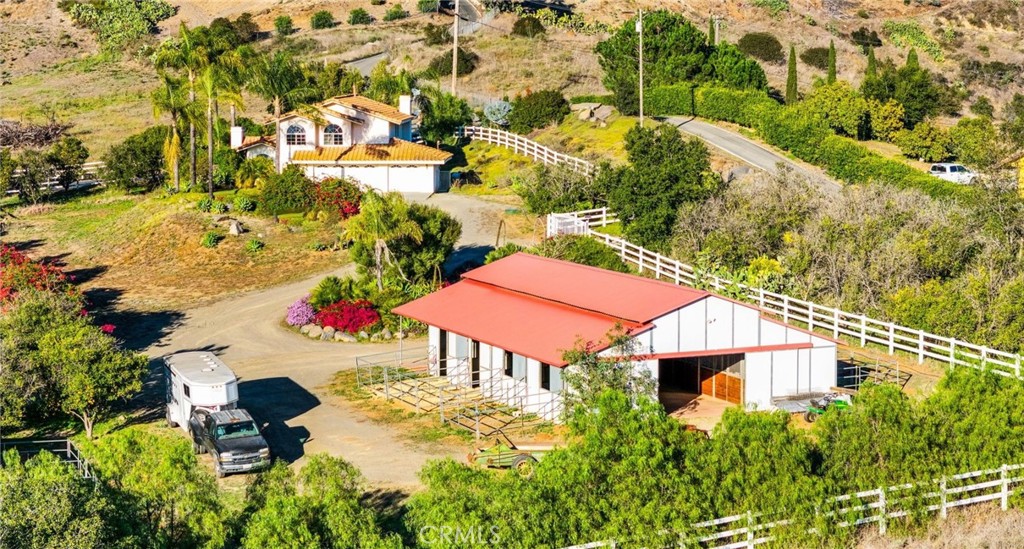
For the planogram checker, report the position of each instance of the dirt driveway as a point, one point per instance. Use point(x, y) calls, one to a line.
point(284, 377)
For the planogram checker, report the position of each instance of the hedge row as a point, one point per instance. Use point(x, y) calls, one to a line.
point(601, 99)
point(792, 129)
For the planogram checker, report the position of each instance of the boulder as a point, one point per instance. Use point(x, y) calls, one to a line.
point(584, 106)
point(235, 228)
point(305, 329)
point(584, 114)
point(329, 331)
point(344, 337)
point(603, 112)
point(364, 335)
point(400, 335)
point(315, 332)
point(385, 334)
point(221, 218)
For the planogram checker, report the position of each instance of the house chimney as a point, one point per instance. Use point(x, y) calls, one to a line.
point(405, 104)
point(237, 136)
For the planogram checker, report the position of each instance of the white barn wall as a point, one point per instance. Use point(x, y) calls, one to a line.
point(757, 383)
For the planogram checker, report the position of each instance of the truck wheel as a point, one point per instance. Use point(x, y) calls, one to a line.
point(524, 465)
point(810, 416)
point(196, 448)
point(216, 466)
point(170, 422)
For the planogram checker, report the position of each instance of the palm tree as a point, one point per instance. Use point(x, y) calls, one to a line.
point(383, 218)
point(170, 98)
point(217, 85)
point(277, 77)
point(190, 54)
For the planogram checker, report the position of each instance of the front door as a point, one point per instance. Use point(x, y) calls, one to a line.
point(474, 364)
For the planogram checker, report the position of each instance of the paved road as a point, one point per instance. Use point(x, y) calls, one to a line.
point(284, 376)
point(747, 150)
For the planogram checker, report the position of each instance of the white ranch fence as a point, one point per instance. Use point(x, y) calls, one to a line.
point(870, 506)
point(854, 327)
point(527, 147)
point(90, 176)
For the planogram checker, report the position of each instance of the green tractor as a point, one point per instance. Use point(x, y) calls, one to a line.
point(819, 405)
point(506, 455)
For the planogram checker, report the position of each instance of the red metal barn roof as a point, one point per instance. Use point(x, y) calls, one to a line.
point(619, 295)
point(540, 307)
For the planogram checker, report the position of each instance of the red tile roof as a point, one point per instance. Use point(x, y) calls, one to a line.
point(540, 307)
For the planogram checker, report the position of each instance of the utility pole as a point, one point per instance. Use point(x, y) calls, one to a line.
point(455, 49)
point(640, 30)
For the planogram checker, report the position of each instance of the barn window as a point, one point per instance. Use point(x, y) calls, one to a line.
point(187, 392)
point(333, 135)
point(296, 135)
point(515, 366)
point(545, 376)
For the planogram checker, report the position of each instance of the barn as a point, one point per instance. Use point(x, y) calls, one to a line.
point(504, 328)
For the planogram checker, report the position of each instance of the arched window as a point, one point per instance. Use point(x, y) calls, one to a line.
point(296, 135)
point(333, 135)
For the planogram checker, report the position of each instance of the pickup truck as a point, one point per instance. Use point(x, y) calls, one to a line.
point(232, 438)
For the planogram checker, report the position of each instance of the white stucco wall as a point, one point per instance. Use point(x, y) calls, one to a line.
point(401, 178)
point(262, 149)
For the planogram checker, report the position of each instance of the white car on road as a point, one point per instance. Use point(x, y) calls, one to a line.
point(957, 173)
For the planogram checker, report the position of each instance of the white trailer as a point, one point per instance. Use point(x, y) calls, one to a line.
point(197, 380)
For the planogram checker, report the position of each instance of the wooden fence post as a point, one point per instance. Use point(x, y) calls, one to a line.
point(750, 530)
point(952, 353)
point(785, 309)
point(810, 317)
point(1004, 489)
point(942, 494)
point(387, 389)
point(835, 323)
point(760, 295)
point(920, 346)
point(883, 520)
point(892, 337)
point(863, 330)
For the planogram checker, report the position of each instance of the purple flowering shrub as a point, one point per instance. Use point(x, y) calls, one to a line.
point(300, 313)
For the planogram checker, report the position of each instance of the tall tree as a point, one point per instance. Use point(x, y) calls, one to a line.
point(171, 98)
point(791, 89)
point(711, 31)
point(831, 61)
point(443, 114)
point(383, 218)
point(872, 63)
point(277, 77)
point(188, 53)
point(217, 85)
point(912, 61)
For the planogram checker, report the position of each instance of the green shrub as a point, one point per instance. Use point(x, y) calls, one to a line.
point(395, 13)
point(435, 35)
point(774, 7)
point(866, 39)
point(743, 107)
point(287, 192)
point(218, 207)
point(982, 106)
point(244, 204)
point(592, 98)
point(211, 239)
point(316, 246)
point(359, 16)
point(329, 291)
point(669, 100)
point(442, 64)
point(377, 2)
point(322, 20)
point(815, 57)
point(926, 142)
point(528, 26)
point(536, 110)
point(254, 246)
point(427, 6)
point(119, 23)
point(283, 25)
point(502, 252)
point(138, 161)
point(205, 205)
point(763, 46)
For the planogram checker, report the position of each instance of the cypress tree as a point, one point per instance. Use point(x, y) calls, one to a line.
point(872, 63)
point(791, 77)
point(831, 62)
point(912, 59)
point(711, 32)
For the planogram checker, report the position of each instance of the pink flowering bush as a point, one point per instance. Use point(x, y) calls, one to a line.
point(300, 313)
point(348, 316)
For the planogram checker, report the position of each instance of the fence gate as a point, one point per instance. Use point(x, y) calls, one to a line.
point(559, 224)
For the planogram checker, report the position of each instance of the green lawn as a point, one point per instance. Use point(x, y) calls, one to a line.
point(589, 140)
point(490, 168)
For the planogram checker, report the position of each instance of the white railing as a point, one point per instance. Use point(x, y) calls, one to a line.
point(855, 327)
point(90, 176)
point(870, 506)
point(527, 147)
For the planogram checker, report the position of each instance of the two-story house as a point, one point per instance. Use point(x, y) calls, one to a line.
point(357, 137)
